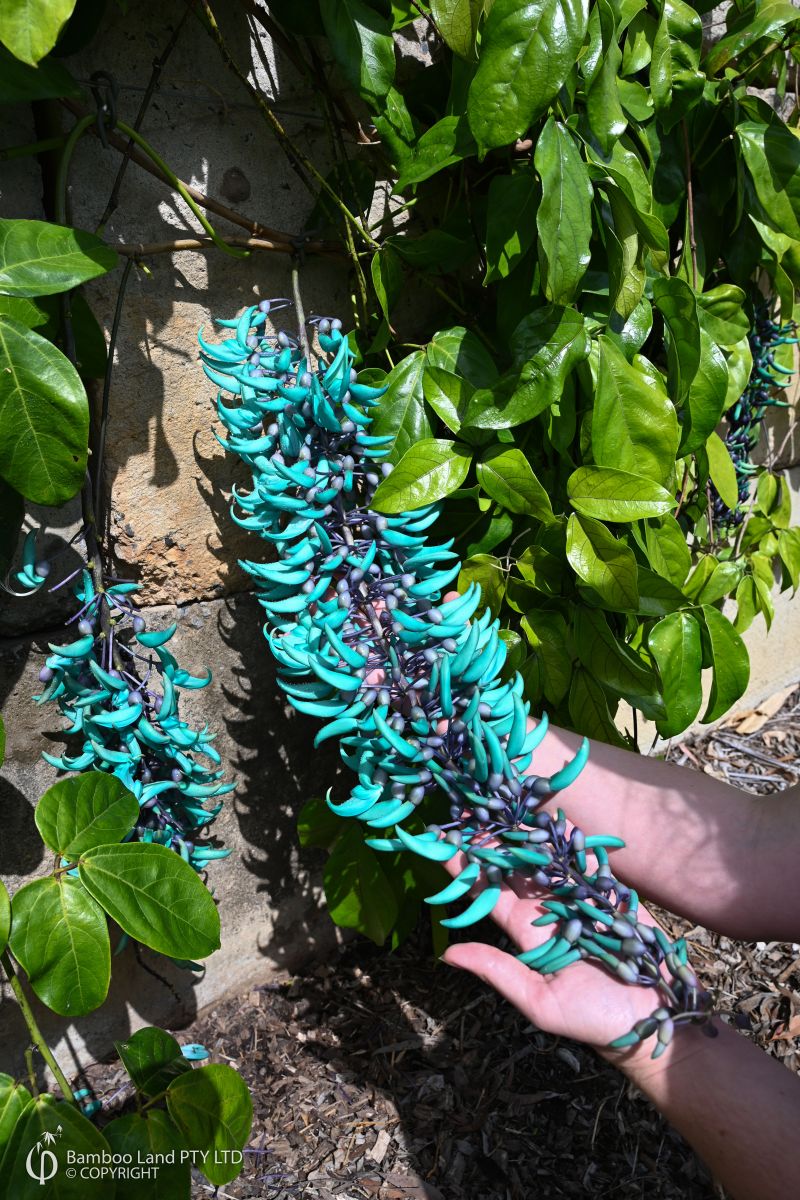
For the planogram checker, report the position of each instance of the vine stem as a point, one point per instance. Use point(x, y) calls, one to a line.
point(300, 311)
point(33, 1027)
point(144, 249)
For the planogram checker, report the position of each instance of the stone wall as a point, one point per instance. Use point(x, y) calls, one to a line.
point(168, 516)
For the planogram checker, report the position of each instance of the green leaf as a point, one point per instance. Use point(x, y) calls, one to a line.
point(729, 660)
point(626, 271)
point(614, 664)
point(21, 83)
point(488, 572)
point(357, 891)
point(600, 67)
point(527, 52)
point(675, 645)
point(510, 227)
point(639, 40)
point(611, 495)
point(462, 353)
point(722, 314)
point(564, 216)
point(667, 551)
point(634, 424)
point(448, 141)
point(146, 1137)
point(5, 903)
point(507, 477)
point(676, 302)
point(789, 551)
point(211, 1107)
point(546, 632)
point(154, 896)
point(362, 45)
point(317, 825)
point(707, 394)
point(448, 395)
point(44, 417)
point(39, 259)
point(85, 811)
point(771, 19)
point(589, 711)
point(14, 1098)
point(457, 21)
point(45, 1134)
point(746, 604)
point(772, 157)
point(603, 562)
point(30, 28)
point(657, 596)
point(59, 935)
point(428, 471)
point(401, 412)
point(153, 1059)
point(387, 277)
point(26, 312)
point(90, 342)
point(722, 470)
point(675, 78)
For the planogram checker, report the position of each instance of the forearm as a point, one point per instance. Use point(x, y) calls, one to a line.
point(736, 1106)
point(695, 845)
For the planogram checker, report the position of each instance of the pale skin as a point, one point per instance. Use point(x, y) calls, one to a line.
point(726, 860)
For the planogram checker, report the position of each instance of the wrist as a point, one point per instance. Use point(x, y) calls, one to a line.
point(688, 1048)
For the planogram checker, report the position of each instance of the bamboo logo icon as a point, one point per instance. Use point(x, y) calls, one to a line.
point(41, 1163)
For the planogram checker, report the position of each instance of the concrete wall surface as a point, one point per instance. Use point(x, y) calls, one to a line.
point(170, 482)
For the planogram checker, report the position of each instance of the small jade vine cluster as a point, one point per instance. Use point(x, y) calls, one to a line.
point(746, 416)
point(117, 686)
point(411, 685)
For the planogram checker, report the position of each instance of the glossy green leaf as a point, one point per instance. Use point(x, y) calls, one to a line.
point(772, 156)
point(667, 551)
point(770, 20)
point(387, 277)
point(85, 811)
point(722, 470)
point(14, 1098)
point(428, 471)
point(675, 645)
point(722, 314)
point(43, 1137)
point(634, 424)
point(44, 417)
point(611, 495)
point(357, 892)
point(362, 45)
point(506, 476)
point(459, 351)
point(789, 551)
point(448, 395)
point(26, 312)
point(39, 259)
point(211, 1107)
point(602, 561)
point(527, 52)
point(20, 83)
point(730, 663)
point(639, 39)
point(564, 218)
point(600, 66)
point(626, 269)
point(30, 28)
point(657, 596)
point(589, 711)
point(457, 21)
point(152, 1057)
point(154, 896)
point(546, 633)
point(147, 1137)
point(488, 572)
point(746, 604)
point(401, 413)
point(676, 302)
point(614, 664)
point(706, 400)
point(449, 141)
point(510, 224)
point(59, 936)
point(675, 78)
point(5, 902)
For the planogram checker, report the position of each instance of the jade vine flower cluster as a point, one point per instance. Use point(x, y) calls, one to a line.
point(117, 686)
point(746, 416)
point(411, 685)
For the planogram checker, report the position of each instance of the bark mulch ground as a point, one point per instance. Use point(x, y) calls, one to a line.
point(386, 1076)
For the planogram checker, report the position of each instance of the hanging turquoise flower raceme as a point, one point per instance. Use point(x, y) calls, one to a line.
point(408, 683)
point(118, 686)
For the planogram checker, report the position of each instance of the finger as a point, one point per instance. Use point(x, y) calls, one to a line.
point(512, 979)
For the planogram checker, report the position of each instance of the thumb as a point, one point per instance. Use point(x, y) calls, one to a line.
point(511, 978)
